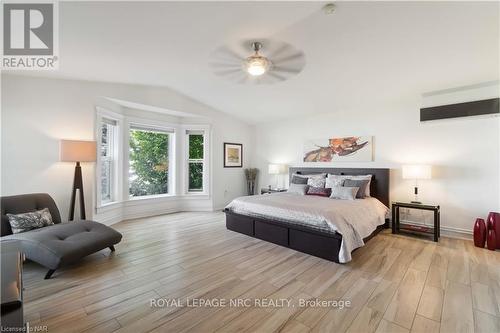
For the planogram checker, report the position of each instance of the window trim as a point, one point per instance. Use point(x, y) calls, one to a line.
point(102, 114)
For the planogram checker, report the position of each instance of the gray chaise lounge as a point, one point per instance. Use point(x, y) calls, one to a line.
point(59, 244)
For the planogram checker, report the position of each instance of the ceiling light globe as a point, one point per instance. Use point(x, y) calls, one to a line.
point(257, 65)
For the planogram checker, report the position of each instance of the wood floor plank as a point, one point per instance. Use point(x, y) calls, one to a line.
point(483, 299)
point(457, 309)
point(386, 326)
point(338, 319)
point(424, 325)
point(370, 316)
point(458, 269)
point(485, 323)
point(436, 277)
point(404, 304)
point(431, 303)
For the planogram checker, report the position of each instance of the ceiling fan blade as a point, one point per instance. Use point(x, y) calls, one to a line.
point(288, 58)
point(282, 49)
point(243, 80)
point(281, 69)
point(227, 71)
point(279, 77)
point(225, 65)
point(232, 55)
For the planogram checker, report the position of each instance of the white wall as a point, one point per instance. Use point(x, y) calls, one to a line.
point(38, 112)
point(464, 153)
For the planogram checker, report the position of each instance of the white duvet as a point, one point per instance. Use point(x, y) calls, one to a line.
point(353, 219)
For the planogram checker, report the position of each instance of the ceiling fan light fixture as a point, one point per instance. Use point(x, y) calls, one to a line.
point(257, 65)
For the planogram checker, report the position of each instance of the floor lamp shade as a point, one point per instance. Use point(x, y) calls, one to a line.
point(77, 151)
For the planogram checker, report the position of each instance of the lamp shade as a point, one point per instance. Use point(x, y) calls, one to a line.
point(77, 151)
point(277, 169)
point(417, 172)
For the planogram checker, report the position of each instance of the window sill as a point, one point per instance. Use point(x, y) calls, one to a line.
point(109, 203)
point(108, 207)
point(196, 195)
point(135, 201)
point(152, 197)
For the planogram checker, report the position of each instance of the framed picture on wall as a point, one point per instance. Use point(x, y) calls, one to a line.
point(339, 149)
point(233, 155)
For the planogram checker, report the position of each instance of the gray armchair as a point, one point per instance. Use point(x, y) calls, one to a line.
point(58, 244)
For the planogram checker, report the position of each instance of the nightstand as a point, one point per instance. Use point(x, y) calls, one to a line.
point(398, 227)
point(267, 190)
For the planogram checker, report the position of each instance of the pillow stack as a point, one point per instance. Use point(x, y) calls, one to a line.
point(313, 184)
point(349, 187)
point(343, 187)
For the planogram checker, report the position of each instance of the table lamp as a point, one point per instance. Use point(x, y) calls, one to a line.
point(417, 172)
point(77, 151)
point(276, 169)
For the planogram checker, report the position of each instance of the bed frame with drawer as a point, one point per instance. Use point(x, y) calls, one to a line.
point(309, 240)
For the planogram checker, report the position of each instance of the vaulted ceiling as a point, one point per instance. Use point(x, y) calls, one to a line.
point(365, 53)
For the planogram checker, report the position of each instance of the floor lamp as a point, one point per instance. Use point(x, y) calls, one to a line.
point(77, 151)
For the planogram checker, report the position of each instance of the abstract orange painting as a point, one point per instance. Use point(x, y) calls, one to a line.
point(347, 149)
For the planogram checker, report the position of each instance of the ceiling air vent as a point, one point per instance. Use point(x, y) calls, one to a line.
point(477, 100)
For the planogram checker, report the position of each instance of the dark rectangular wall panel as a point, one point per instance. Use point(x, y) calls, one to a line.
point(468, 109)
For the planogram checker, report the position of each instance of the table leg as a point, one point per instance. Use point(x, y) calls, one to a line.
point(436, 226)
point(397, 219)
point(439, 223)
point(393, 219)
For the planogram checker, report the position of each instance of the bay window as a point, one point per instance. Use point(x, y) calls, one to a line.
point(150, 160)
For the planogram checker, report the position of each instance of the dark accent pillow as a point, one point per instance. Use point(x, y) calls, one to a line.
point(319, 191)
point(28, 221)
point(362, 184)
point(296, 179)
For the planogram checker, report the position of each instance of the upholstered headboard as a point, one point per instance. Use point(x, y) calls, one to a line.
point(379, 187)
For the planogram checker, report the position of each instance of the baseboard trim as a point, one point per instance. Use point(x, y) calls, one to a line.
point(132, 210)
point(446, 231)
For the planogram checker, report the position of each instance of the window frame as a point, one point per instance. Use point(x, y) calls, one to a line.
point(205, 131)
point(117, 160)
point(152, 125)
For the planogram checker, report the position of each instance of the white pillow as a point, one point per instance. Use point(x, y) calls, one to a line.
point(333, 182)
point(357, 177)
point(298, 188)
point(344, 193)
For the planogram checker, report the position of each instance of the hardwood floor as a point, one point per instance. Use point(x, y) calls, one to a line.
point(394, 284)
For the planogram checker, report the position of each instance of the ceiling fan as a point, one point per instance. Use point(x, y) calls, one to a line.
point(257, 62)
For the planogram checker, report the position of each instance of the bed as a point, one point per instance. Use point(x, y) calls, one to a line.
point(323, 227)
